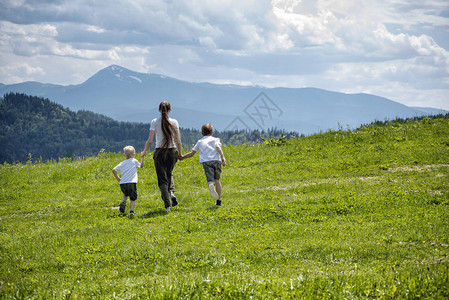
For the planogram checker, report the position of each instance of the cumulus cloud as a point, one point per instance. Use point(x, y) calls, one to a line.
point(351, 45)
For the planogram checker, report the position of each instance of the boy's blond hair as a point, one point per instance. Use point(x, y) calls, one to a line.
point(129, 151)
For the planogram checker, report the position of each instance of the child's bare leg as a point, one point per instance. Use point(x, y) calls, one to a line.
point(218, 191)
point(132, 205)
point(212, 190)
point(123, 204)
point(218, 188)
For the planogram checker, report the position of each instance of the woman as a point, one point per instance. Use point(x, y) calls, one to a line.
point(165, 155)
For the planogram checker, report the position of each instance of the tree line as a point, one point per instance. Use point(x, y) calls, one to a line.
point(34, 128)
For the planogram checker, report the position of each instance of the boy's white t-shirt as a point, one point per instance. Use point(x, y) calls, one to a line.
point(157, 127)
point(208, 148)
point(128, 170)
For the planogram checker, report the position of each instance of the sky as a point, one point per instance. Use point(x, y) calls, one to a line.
point(398, 49)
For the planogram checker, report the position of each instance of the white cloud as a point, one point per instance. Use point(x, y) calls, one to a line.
point(21, 70)
point(95, 29)
point(390, 47)
point(396, 44)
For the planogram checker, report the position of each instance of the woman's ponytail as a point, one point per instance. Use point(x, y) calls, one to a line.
point(167, 127)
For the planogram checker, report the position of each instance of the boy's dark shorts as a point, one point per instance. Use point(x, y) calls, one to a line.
point(212, 169)
point(129, 190)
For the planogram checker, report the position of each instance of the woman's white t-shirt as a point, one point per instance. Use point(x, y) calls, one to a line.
point(156, 125)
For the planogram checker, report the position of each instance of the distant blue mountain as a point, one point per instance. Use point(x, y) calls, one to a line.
point(430, 110)
point(131, 96)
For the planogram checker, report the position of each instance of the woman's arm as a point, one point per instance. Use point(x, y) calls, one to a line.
point(148, 143)
point(178, 141)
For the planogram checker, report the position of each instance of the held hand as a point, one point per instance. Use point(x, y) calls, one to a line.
point(180, 157)
point(223, 162)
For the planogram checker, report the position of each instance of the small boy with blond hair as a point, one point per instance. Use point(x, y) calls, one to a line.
point(128, 181)
point(212, 158)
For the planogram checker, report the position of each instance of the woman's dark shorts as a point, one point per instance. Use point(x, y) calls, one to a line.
point(129, 190)
point(212, 169)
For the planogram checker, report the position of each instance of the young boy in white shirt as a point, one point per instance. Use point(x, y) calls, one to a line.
point(212, 158)
point(128, 181)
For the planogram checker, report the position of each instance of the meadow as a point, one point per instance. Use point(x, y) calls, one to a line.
point(337, 215)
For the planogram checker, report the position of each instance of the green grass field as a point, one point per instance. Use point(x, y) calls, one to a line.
point(338, 215)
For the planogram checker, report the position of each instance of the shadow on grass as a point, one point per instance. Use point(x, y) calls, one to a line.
point(213, 208)
point(154, 214)
point(176, 210)
point(158, 212)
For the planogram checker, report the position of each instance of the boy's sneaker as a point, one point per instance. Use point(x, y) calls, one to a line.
point(213, 192)
point(122, 207)
point(168, 209)
point(174, 202)
point(132, 213)
point(218, 204)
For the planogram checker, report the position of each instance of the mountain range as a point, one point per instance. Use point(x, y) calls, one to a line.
point(126, 95)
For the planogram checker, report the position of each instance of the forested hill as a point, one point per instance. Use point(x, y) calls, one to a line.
point(36, 128)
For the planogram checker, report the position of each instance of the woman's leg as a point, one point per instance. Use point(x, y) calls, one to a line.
point(164, 165)
point(162, 180)
point(172, 158)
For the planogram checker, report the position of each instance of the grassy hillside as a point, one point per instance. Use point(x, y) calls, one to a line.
point(362, 214)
